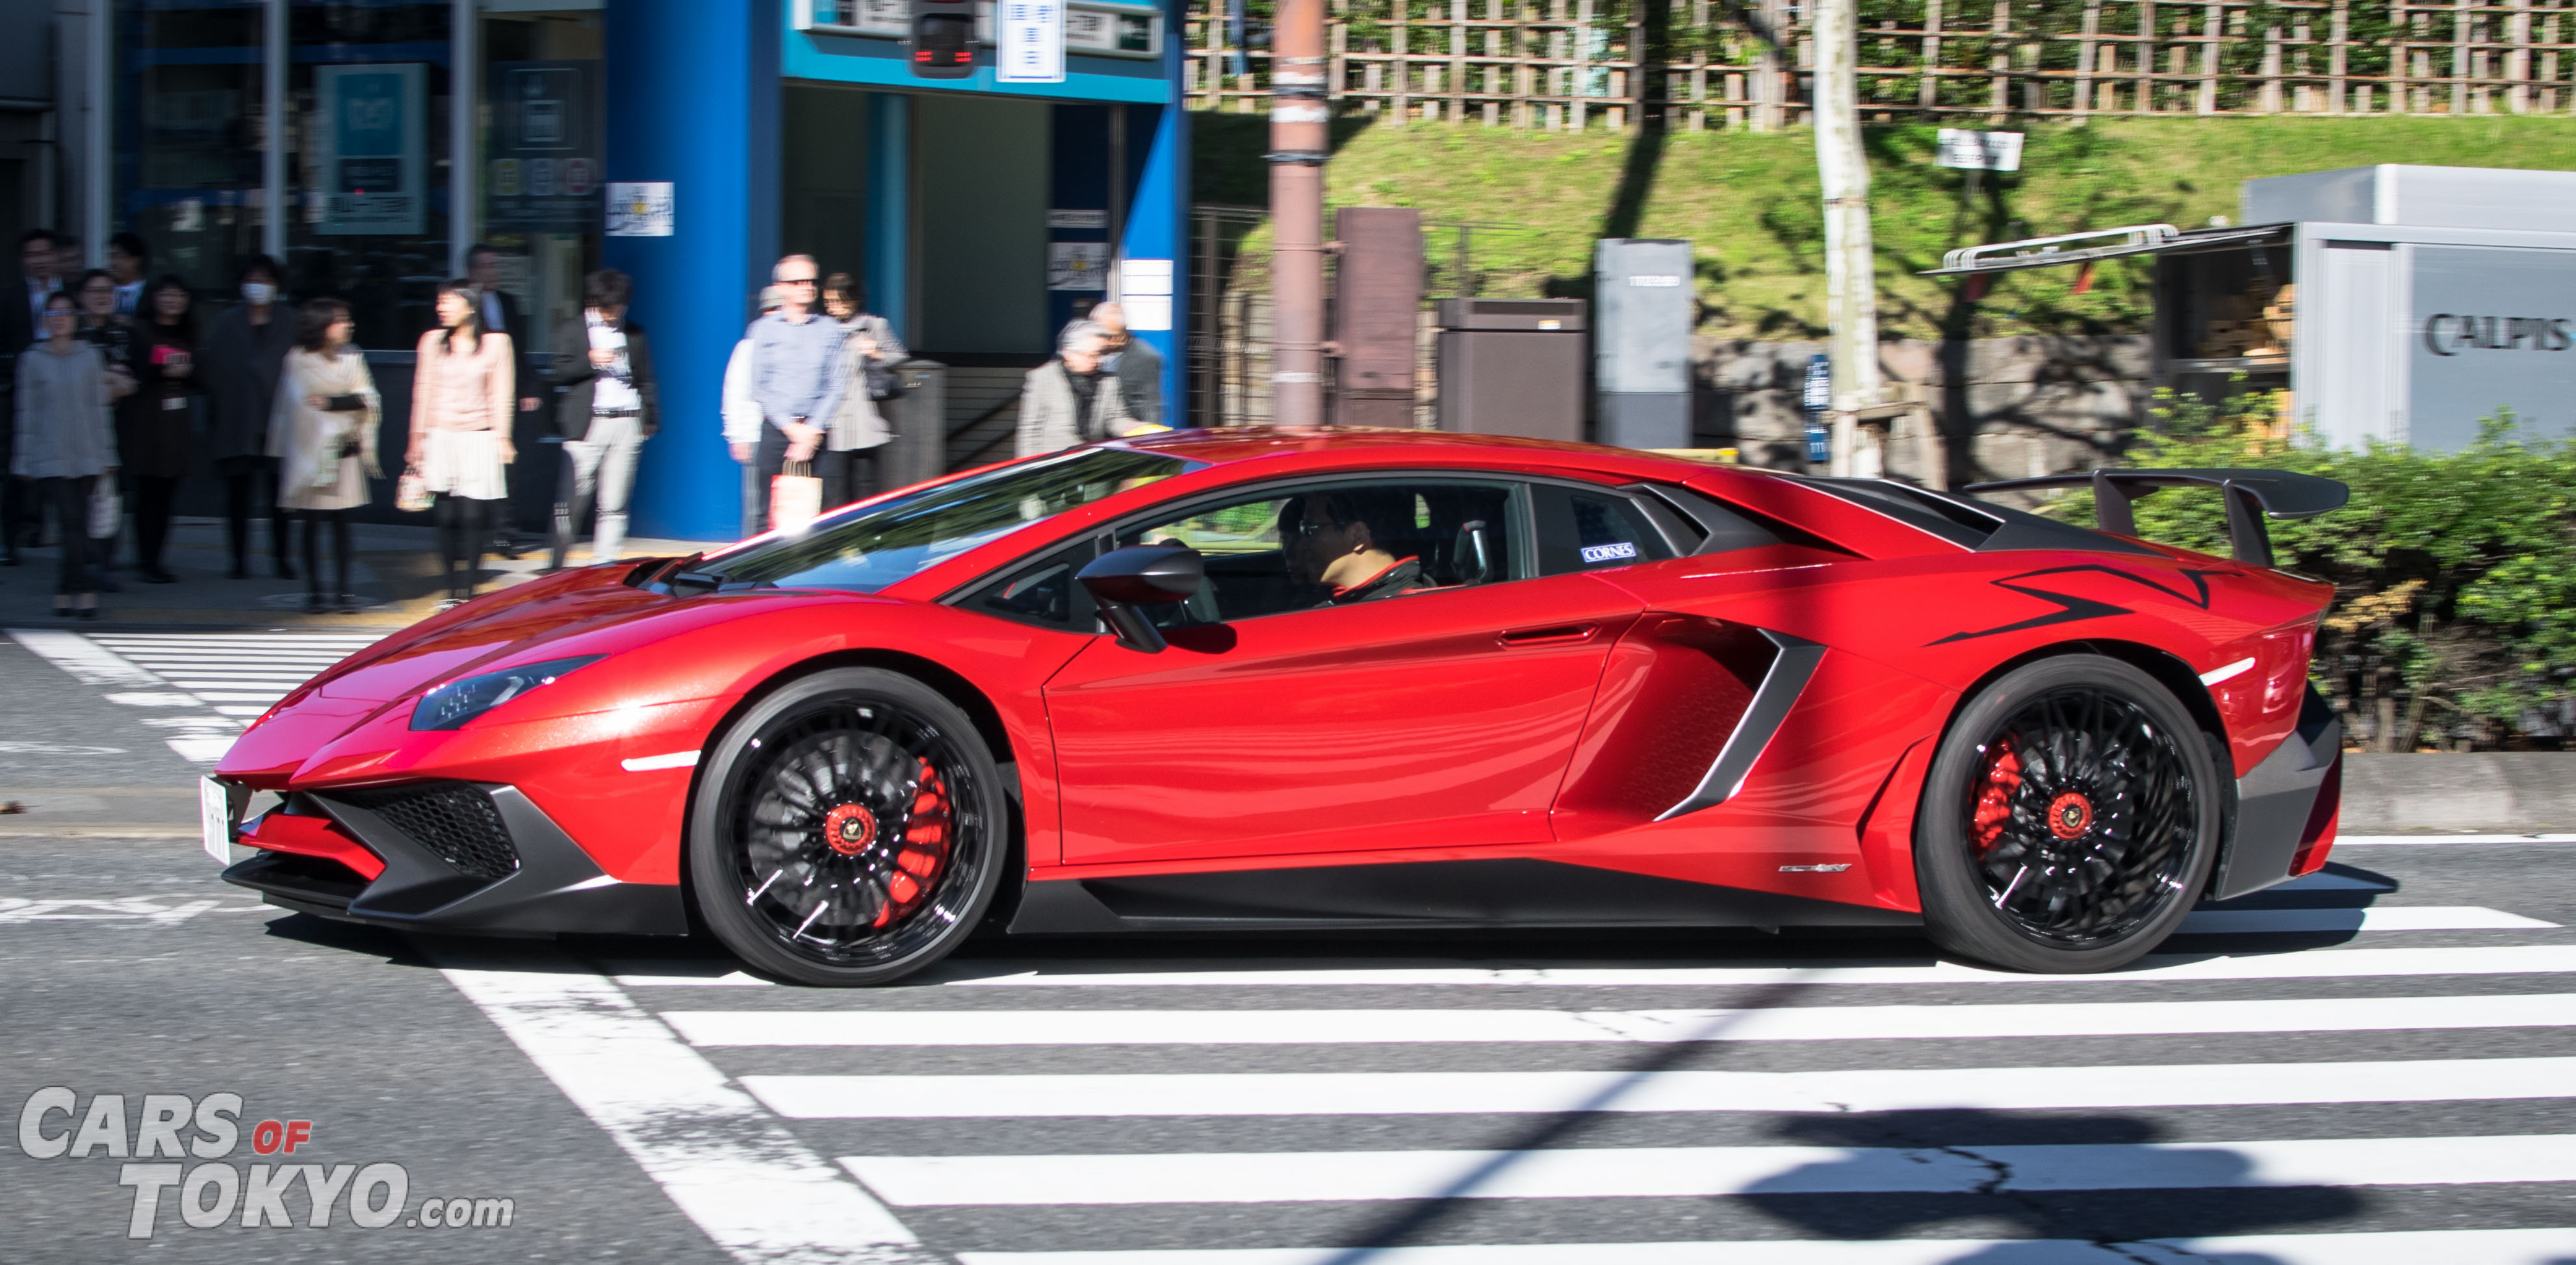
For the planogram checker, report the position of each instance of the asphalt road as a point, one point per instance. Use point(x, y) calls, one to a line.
point(2375, 1066)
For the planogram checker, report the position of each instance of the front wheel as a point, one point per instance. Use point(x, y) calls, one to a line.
point(849, 830)
point(2069, 819)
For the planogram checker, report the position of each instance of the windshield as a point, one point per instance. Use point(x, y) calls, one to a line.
point(873, 546)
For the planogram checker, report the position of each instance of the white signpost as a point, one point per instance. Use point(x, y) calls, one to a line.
point(1980, 151)
point(1032, 41)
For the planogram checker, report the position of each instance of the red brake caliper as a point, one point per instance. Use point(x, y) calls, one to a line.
point(925, 847)
point(1994, 798)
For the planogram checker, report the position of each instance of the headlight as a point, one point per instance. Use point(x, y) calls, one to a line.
point(451, 705)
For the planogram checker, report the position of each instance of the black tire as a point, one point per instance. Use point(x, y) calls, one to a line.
point(2069, 820)
point(850, 830)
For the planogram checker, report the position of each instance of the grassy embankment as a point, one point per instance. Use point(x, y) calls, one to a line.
point(1750, 203)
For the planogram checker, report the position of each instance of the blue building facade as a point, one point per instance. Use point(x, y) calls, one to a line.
point(973, 212)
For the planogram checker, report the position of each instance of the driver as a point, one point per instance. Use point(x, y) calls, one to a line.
point(1342, 541)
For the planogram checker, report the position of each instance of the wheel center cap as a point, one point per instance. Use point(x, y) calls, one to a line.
point(2070, 815)
point(849, 829)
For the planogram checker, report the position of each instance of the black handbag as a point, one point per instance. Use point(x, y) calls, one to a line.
point(883, 382)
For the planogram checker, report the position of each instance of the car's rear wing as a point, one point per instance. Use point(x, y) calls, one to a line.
point(2251, 494)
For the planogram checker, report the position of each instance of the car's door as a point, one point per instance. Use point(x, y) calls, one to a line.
point(1281, 721)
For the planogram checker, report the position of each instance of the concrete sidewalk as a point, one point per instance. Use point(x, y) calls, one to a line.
point(2523, 792)
point(394, 571)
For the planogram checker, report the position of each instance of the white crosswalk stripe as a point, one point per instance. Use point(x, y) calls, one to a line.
point(1193, 1094)
point(1682, 1172)
point(2006, 1088)
point(721, 1028)
point(1288, 973)
point(2401, 1247)
point(204, 686)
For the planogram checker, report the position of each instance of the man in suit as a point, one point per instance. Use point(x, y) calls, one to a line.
point(127, 257)
point(529, 487)
point(39, 261)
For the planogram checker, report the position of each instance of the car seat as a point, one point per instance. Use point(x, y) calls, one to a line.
point(1472, 557)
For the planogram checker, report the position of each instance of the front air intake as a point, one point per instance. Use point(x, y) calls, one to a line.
point(455, 821)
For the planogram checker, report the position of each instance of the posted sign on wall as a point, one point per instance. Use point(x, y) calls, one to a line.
point(369, 148)
point(2494, 328)
point(642, 208)
point(1032, 41)
point(543, 171)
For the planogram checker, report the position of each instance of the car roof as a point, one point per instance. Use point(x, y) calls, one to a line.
point(1228, 445)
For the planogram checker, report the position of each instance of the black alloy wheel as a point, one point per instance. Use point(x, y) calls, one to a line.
point(849, 830)
point(2070, 819)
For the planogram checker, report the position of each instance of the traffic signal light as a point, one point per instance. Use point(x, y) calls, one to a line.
point(943, 38)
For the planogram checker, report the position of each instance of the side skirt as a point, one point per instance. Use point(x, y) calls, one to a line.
point(1501, 893)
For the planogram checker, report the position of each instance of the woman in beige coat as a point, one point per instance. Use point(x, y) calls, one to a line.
point(460, 429)
point(324, 429)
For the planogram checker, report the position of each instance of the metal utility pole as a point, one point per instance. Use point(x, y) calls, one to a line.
point(1851, 282)
point(1298, 143)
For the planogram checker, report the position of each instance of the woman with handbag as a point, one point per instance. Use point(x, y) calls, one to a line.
point(65, 442)
point(461, 413)
point(325, 431)
point(153, 428)
point(852, 464)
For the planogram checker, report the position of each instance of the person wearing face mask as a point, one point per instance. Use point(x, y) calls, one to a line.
point(245, 349)
point(65, 442)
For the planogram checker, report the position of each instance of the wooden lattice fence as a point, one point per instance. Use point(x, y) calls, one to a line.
point(1560, 64)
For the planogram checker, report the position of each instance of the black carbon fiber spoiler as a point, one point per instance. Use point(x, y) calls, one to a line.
point(2251, 494)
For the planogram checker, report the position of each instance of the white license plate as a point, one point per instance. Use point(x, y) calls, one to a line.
point(215, 815)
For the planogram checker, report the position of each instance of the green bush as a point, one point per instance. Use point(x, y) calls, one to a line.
point(2454, 621)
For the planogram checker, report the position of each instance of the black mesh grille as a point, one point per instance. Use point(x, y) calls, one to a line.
point(457, 822)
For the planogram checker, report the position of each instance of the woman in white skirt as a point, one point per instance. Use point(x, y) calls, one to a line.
point(460, 429)
point(324, 428)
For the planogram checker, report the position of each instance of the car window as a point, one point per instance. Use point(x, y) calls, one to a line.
point(872, 546)
point(1592, 531)
point(1294, 549)
point(1044, 592)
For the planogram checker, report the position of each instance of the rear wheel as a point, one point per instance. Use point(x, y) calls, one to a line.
point(2069, 819)
point(849, 830)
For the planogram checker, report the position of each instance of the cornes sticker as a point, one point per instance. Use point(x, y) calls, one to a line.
point(1604, 553)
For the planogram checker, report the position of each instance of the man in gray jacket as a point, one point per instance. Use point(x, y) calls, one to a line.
point(796, 373)
point(1069, 400)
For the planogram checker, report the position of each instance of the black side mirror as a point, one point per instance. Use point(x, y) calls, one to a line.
point(1124, 580)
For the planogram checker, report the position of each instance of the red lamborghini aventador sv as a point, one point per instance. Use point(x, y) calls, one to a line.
point(1253, 680)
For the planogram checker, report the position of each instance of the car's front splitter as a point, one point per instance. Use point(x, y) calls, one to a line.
point(463, 857)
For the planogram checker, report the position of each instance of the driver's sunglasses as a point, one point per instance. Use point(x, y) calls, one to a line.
point(1308, 529)
point(797, 281)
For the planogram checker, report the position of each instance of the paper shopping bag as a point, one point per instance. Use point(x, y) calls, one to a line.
point(795, 498)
